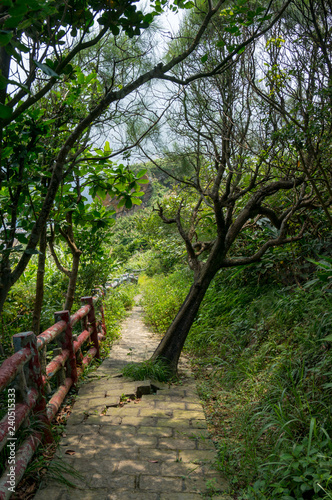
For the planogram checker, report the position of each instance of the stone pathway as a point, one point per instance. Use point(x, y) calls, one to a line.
point(152, 446)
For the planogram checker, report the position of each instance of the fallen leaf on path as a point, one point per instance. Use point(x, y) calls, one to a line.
point(70, 452)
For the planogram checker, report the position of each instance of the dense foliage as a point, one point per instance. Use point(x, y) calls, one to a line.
point(236, 251)
point(261, 350)
point(248, 146)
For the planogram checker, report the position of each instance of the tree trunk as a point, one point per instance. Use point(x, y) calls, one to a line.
point(72, 280)
point(170, 347)
point(39, 283)
point(4, 68)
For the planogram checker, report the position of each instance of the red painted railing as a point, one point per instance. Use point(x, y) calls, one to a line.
point(26, 376)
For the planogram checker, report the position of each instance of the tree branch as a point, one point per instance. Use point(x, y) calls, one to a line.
point(281, 240)
point(229, 59)
point(33, 99)
point(254, 204)
point(58, 264)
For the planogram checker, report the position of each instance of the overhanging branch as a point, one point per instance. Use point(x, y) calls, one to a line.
point(229, 59)
point(259, 254)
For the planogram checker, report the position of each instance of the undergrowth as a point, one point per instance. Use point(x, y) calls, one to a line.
point(162, 296)
point(263, 361)
point(116, 305)
point(150, 369)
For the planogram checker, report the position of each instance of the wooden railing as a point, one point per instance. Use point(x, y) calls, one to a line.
point(125, 278)
point(26, 378)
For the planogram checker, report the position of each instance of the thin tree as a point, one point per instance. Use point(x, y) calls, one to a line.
point(240, 173)
point(17, 106)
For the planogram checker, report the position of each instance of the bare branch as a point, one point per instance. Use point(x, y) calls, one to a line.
point(160, 212)
point(254, 205)
point(58, 264)
point(229, 59)
point(132, 146)
point(281, 240)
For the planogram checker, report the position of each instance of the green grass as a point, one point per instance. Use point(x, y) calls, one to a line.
point(162, 297)
point(263, 362)
point(116, 307)
point(148, 370)
point(266, 366)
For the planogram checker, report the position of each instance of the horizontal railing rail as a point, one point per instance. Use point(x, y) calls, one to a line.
point(26, 377)
point(125, 278)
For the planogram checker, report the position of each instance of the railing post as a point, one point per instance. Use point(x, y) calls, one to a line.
point(61, 373)
point(100, 292)
point(33, 374)
point(78, 354)
point(67, 343)
point(33, 377)
point(92, 323)
point(103, 324)
point(43, 363)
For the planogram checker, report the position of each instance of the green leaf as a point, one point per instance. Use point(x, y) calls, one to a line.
point(121, 203)
point(6, 152)
point(114, 29)
point(328, 338)
point(107, 148)
point(20, 46)
point(17, 248)
point(21, 238)
point(136, 201)
point(99, 152)
point(5, 111)
point(5, 37)
point(80, 78)
point(18, 9)
point(46, 69)
point(67, 69)
point(32, 251)
point(12, 52)
point(35, 114)
point(204, 58)
point(13, 22)
point(60, 34)
point(141, 173)
point(24, 24)
point(90, 77)
point(233, 30)
point(143, 181)
point(3, 82)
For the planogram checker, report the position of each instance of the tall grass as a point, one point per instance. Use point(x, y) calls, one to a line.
point(149, 369)
point(263, 359)
point(162, 297)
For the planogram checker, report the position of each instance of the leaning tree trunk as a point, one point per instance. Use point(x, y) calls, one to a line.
point(171, 345)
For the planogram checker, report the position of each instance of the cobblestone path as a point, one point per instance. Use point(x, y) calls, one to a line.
point(152, 446)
